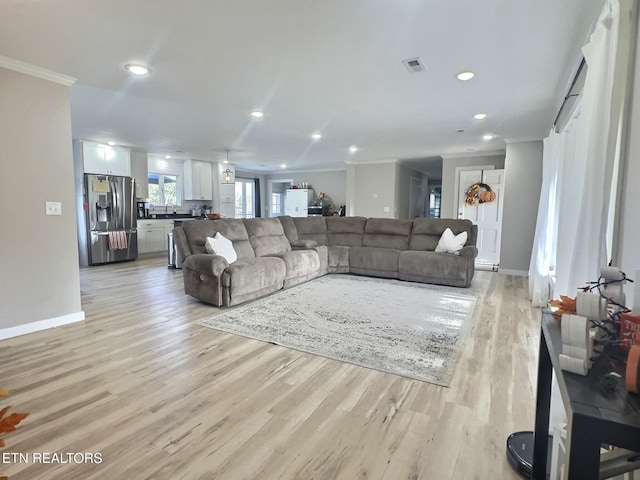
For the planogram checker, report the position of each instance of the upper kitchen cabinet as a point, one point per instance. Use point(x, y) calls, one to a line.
point(140, 171)
point(197, 180)
point(104, 159)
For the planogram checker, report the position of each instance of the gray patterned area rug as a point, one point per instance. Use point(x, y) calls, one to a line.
point(409, 329)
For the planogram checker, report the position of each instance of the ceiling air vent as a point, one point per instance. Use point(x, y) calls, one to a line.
point(414, 65)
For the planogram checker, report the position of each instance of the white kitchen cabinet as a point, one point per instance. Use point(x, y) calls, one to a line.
point(197, 180)
point(106, 160)
point(152, 235)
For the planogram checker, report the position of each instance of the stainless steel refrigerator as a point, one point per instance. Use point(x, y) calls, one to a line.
point(110, 211)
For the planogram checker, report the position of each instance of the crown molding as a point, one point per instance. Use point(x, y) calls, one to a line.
point(371, 162)
point(39, 72)
point(487, 153)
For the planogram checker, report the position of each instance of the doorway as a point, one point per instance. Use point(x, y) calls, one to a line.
point(276, 191)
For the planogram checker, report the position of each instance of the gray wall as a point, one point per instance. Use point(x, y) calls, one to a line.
point(523, 179)
point(449, 165)
point(331, 182)
point(373, 188)
point(39, 279)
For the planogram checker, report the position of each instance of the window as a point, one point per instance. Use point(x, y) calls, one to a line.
point(276, 203)
point(163, 189)
point(245, 189)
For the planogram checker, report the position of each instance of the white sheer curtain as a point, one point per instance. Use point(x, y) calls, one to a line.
point(542, 258)
point(583, 157)
point(607, 56)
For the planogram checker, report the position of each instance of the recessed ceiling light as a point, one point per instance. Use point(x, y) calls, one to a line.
point(111, 143)
point(257, 114)
point(167, 157)
point(138, 69)
point(464, 76)
point(480, 116)
point(488, 136)
point(283, 165)
point(353, 149)
point(316, 136)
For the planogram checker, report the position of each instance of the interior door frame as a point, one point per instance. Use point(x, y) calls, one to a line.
point(270, 183)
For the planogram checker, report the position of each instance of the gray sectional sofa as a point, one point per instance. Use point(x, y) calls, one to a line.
point(276, 253)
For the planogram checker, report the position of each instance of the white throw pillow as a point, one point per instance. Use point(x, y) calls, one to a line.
point(222, 246)
point(450, 243)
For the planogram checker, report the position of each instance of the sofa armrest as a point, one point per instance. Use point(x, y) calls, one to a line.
point(303, 244)
point(206, 263)
point(470, 251)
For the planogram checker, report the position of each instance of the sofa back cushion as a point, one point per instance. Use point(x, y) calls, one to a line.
point(312, 228)
point(345, 231)
point(266, 236)
point(387, 233)
point(289, 228)
point(426, 232)
point(197, 232)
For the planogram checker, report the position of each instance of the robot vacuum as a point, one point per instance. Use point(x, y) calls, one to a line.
point(520, 453)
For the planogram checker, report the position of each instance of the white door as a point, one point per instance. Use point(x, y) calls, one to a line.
point(488, 215)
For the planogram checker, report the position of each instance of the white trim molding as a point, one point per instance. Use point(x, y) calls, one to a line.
point(41, 325)
point(34, 71)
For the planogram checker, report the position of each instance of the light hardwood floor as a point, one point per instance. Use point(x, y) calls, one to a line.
point(162, 398)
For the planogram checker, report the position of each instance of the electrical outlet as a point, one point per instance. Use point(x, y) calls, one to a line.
point(386, 209)
point(53, 208)
point(374, 195)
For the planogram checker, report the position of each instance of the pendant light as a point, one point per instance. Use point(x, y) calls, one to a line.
point(227, 175)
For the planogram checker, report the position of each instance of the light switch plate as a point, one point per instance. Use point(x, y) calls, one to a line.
point(53, 208)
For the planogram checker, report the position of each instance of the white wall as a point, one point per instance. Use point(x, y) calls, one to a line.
point(449, 165)
point(523, 179)
point(39, 278)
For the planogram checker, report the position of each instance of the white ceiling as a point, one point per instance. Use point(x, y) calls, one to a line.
point(332, 66)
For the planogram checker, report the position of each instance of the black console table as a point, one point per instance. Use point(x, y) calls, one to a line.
point(596, 414)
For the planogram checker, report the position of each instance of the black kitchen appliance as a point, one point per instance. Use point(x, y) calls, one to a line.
point(143, 209)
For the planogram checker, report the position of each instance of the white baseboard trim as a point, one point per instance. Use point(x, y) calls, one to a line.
point(41, 325)
point(517, 273)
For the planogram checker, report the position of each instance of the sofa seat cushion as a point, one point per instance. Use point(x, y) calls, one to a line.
point(437, 268)
point(338, 259)
point(251, 278)
point(374, 261)
point(300, 266)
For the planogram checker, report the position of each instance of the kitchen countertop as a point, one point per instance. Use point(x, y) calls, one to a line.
point(169, 216)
